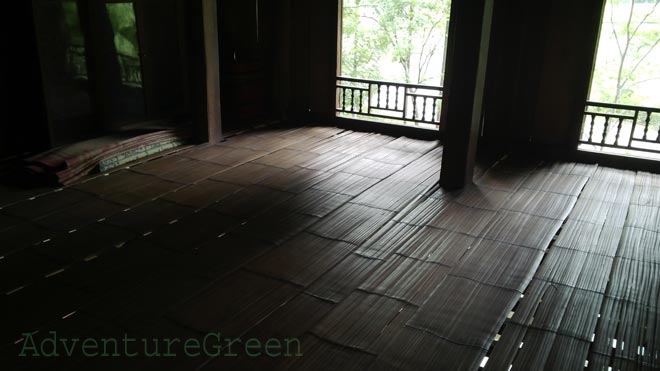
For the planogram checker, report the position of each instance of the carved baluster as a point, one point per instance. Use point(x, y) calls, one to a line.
point(396, 97)
point(414, 103)
point(605, 129)
point(387, 97)
point(591, 128)
point(435, 108)
point(618, 131)
point(424, 108)
point(341, 98)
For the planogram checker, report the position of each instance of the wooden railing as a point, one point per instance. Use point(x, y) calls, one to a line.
point(131, 70)
point(76, 61)
point(619, 126)
point(397, 103)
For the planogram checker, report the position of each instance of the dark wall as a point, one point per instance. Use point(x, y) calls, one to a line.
point(539, 72)
point(568, 60)
point(313, 59)
point(164, 57)
point(23, 117)
point(3, 115)
point(288, 72)
point(252, 50)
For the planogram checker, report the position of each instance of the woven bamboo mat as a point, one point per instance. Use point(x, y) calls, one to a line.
point(341, 239)
point(315, 203)
point(588, 302)
point(391, 195)
point(409, 280)
point(344, 183)
point(181, 169)
point(250, 201)
point(358, 320)
point(286, 158)
point(276, 226)
point(247, 174)
point(302, 260)
point(412, 349)
point(244, 288)
point(79, 215)
point(226, 156)
point(369, 168)
point(295, 179)
point(343, 278)
point(352, 223)
point(202, 194)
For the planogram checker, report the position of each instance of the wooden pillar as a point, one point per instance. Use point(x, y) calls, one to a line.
point(205, 70)
point(212, 64)
point(469, 34)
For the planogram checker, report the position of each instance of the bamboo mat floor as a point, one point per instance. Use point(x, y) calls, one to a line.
point(344, 241)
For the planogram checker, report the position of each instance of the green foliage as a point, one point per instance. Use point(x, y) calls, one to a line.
point(122, 18)
point(72, 23)
point(362, 49)
point(627, 68)
point(410, 33)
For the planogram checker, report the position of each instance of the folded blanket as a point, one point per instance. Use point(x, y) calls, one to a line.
point(67, 164)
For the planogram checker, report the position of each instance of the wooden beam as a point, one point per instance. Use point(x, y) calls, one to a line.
point(212, 65)
point(469, 34)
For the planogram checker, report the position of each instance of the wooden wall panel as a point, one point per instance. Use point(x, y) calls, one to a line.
point(539, 72)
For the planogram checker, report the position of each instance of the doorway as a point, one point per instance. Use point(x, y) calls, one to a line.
point(391, 61)
point(107, 64)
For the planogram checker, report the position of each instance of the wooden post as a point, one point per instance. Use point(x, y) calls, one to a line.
point(212, 65)
point(469, 34)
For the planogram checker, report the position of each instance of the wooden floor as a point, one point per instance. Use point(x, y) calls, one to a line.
point(343, 240)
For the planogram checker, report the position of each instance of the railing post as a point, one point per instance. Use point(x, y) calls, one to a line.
point(405, 102)
point(632, 128)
